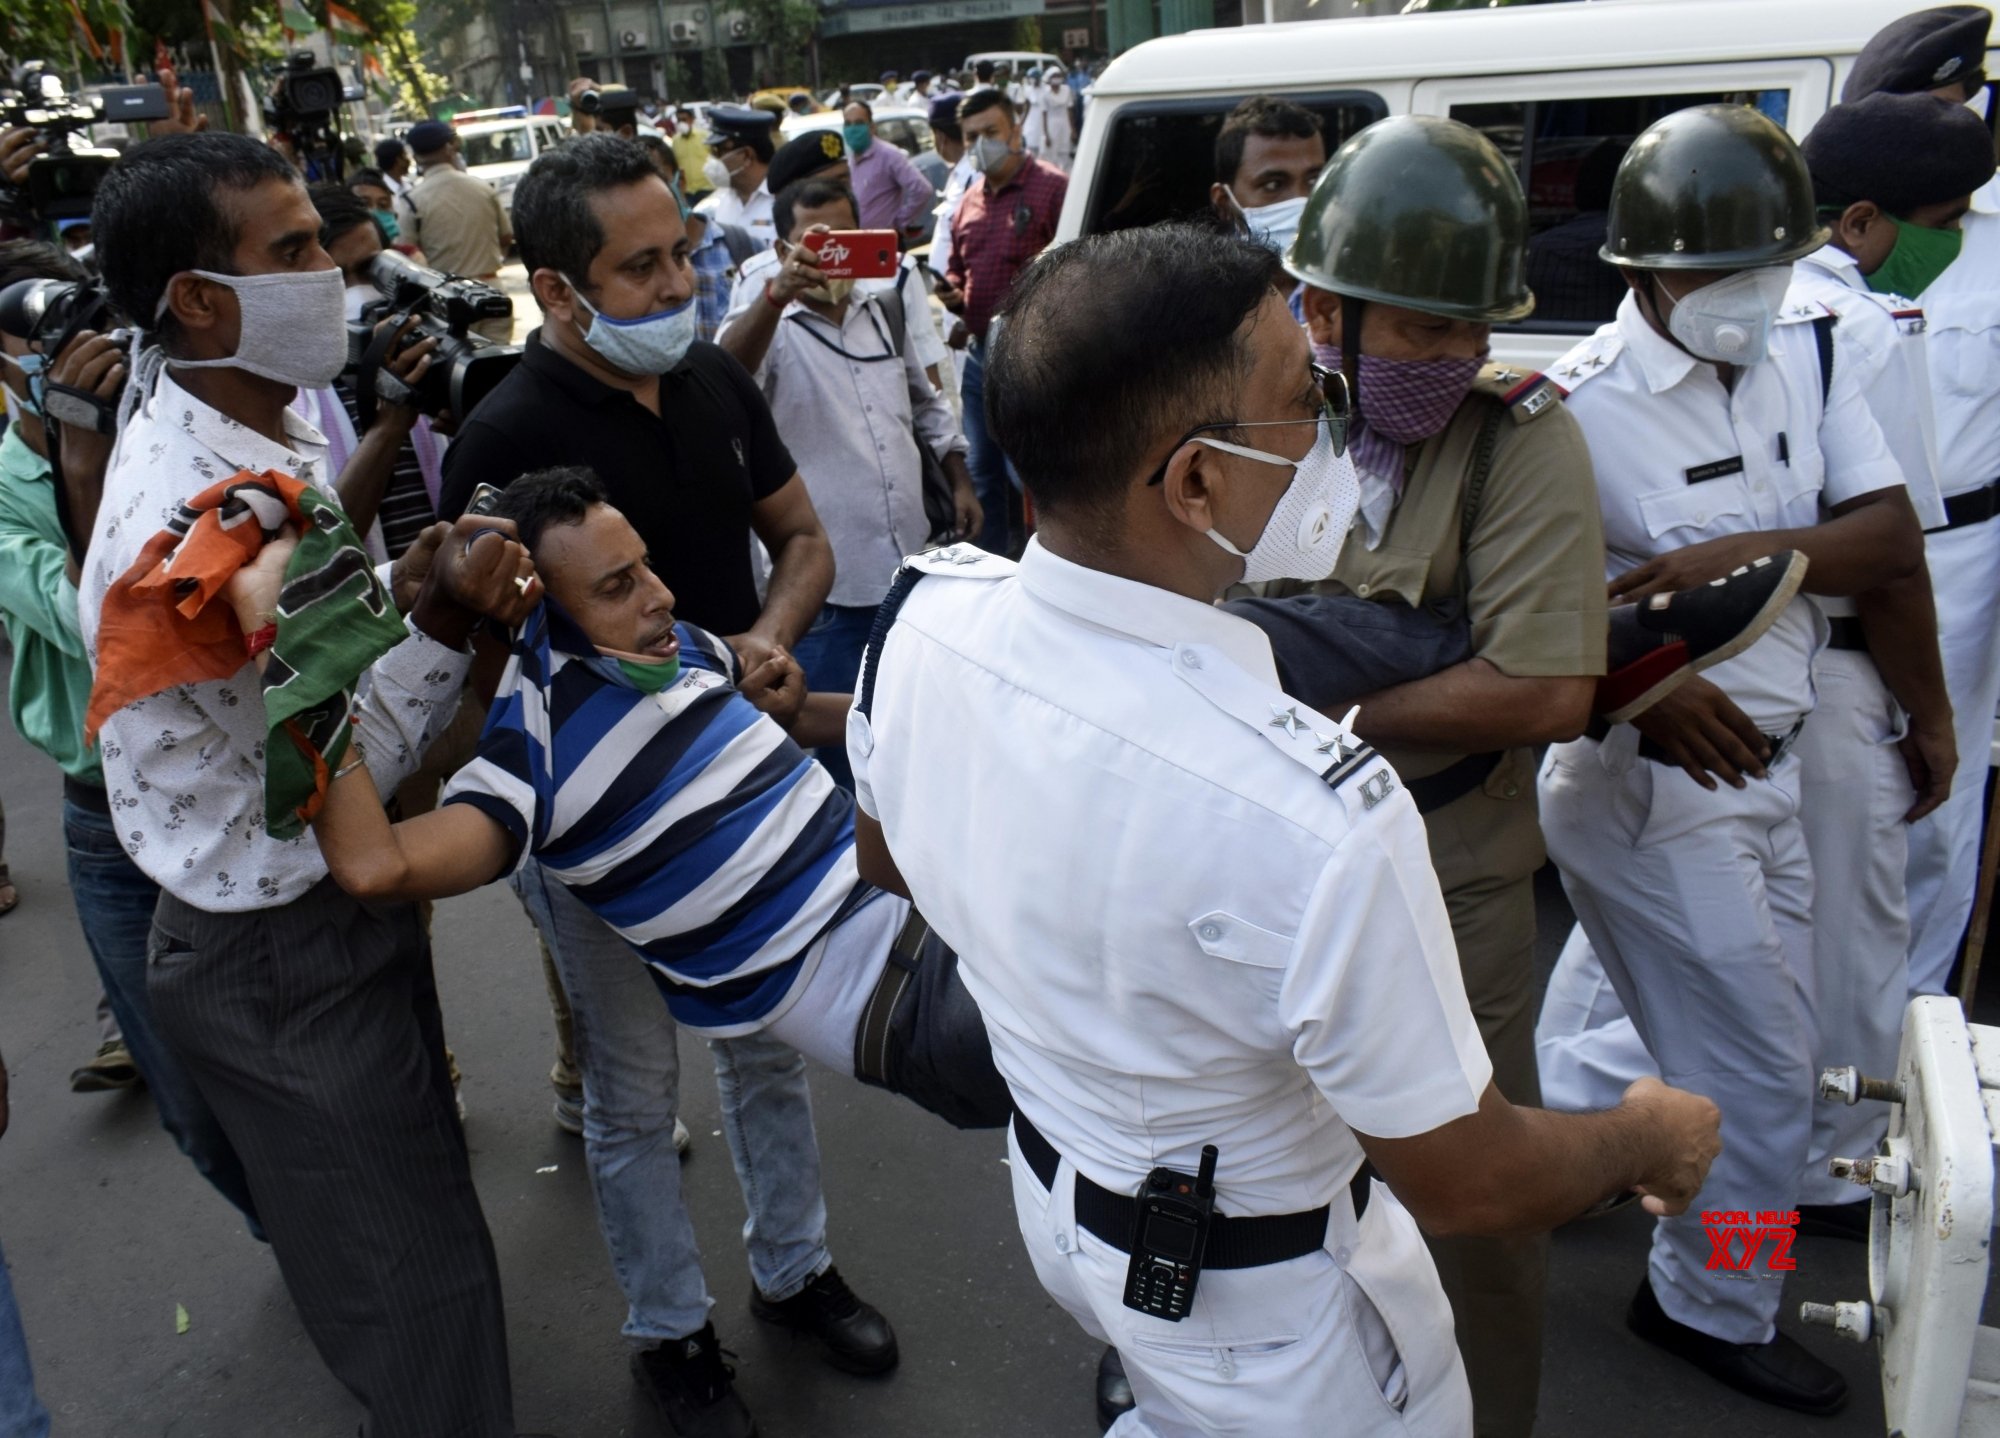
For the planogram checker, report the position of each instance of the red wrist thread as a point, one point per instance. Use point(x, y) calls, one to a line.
point(258, 640)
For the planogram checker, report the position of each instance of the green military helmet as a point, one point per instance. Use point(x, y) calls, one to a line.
point(1422, 212)
point(1716, 187)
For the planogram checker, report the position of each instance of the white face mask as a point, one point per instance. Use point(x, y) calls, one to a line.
point(292, 328)
point(1273, 226)
point(650, 344)
point(1302, 538)
point(716, 173)
point(1730, 320)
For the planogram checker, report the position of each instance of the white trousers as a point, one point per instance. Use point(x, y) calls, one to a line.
point(1699, 905)
point(1586, 1048)
point(1355, 1338)
point(1853, 792)
point(1944, 847)
point(1854, 789)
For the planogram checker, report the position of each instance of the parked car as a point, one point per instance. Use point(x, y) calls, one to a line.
point(499, 151)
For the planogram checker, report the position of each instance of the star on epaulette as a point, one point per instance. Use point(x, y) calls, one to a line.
point(1506, 376)
point(1802, 312)
point(1572, 372)
point(959, 554)
point(1287, 720)
point(1597, 361)
point(1339, 746)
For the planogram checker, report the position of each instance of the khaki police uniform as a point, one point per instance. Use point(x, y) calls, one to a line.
point(1530, 574)
point(457, 220)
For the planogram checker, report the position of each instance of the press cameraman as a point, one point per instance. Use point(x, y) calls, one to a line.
point(389, 468)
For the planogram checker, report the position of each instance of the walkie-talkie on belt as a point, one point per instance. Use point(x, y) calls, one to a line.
point(1168, 1236)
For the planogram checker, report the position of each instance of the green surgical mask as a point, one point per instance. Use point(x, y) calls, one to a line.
point(650, 676)
point(1919, 256)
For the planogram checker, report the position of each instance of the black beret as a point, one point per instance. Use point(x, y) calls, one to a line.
point(1901, 151)
point(808, 154)
point(1921, 51)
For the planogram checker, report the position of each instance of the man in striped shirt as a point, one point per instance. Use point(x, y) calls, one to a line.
point(659, 793)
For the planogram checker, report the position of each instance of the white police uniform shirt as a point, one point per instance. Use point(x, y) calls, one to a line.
point(1680, 459)
point(1962, 312)
point(1212, 919)
point(1880, 340)
point(725, 206)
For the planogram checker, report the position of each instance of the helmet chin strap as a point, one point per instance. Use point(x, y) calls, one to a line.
point(1350, 357)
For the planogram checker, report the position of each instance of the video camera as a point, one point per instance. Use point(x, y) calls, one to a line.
point(63, 179)
point(304, 102)
point(464, 368)
point(48, 314)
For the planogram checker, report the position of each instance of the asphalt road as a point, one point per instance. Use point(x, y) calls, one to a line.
point(108, 1228)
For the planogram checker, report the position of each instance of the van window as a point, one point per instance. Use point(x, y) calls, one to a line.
point(1160, 159)
point(497, 147)
point(1566, 151)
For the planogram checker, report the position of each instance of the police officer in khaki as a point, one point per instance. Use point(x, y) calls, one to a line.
point(1478, 506)
point(456, 219)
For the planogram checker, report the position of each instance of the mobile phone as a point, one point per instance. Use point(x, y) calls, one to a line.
point(485, 500)
point(133, 102)
point(854, 254)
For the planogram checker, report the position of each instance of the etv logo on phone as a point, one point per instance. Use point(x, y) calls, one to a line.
point(833, 253)
point(1735, 1238)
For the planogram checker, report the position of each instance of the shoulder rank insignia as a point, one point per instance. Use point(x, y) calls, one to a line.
point(1592, 357)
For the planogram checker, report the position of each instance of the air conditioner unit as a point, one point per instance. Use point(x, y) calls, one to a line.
point(684, 33)
point(739, 29)
point(632, 40)
point(579, 41)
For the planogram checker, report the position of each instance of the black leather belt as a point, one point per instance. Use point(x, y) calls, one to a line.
point(1233, 1242)
point(1846, 633)
point(1975, 506)
point(86, 796)
point(1453, 782)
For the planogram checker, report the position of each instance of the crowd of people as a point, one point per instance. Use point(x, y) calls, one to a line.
point(1267, 635)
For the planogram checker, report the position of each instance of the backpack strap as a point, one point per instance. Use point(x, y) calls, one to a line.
point(894, 315)
point(1482, 470)
point(878, 634)
point(1823, 337)
point(738, 242)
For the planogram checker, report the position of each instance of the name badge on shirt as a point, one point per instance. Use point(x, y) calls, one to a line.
point(1715, 470)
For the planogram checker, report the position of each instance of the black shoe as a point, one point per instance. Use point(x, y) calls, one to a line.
point(1656, 644)
point(693, 1388)
point(1780, 1372)
point(858, 1339)
point(1838, 1220)
point(1114, 1389)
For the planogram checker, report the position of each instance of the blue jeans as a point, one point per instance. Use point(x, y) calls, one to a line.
point(625, 1046)
point(993, 478)
point(830, 653)
point(21, 1413)
point(114, 904)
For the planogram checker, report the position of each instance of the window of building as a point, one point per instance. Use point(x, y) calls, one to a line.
point(1160, 159)
point(1566, 151)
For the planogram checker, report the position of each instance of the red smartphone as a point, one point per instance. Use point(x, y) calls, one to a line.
point(855, 254)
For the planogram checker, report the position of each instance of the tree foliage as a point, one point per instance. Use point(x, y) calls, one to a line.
point(784, 27)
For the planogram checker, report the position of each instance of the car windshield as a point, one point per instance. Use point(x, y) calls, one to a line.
point(497, 147)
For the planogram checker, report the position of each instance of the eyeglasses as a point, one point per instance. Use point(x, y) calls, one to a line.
point(1336, 414)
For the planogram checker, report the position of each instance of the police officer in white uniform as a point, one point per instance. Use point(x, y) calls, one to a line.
point(1893, 174)
point(1941, 52)
point(1718, 437)
point(1192, 910)
point(740, 150)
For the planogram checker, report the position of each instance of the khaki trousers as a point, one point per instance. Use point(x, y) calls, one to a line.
point(1486, 847)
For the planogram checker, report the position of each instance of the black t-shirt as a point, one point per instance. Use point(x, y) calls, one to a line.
point(686, 478)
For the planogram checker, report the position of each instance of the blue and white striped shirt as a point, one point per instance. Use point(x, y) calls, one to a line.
point(687, 820)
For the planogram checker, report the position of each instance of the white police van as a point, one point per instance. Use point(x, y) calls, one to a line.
point(1560, 89)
